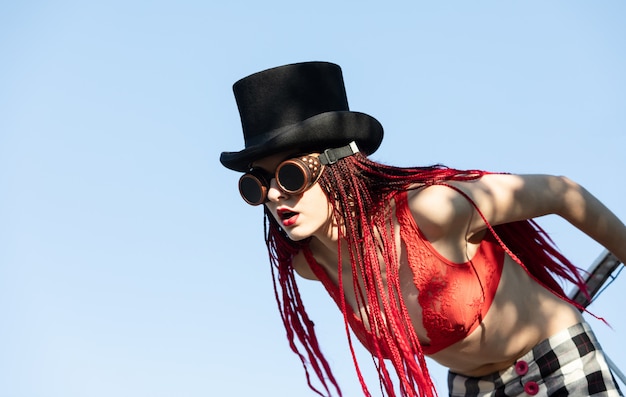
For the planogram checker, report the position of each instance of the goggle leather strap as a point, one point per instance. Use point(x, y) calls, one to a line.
point(331, 156)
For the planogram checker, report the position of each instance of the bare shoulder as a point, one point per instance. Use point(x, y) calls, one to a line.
point(501, 198)
point(438, 210)
point(301, 266)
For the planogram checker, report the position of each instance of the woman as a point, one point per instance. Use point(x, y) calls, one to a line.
point(421, 261)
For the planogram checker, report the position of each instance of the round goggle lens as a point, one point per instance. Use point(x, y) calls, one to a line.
point(252, 190)
point(291, 177)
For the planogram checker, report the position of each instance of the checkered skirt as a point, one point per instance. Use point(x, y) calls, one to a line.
point(570, 363)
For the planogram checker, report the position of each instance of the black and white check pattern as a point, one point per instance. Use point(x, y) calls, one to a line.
point(570, 363)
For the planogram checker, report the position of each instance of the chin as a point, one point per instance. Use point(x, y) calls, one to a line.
point(299, 232)
point(298, 236)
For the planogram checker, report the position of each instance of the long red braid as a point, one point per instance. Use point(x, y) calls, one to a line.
point(360, 191)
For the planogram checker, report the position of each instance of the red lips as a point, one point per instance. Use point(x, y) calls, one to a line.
point(287, 217)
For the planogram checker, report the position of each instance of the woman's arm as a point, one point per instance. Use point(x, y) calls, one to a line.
point(442, 212)
point(591, 216)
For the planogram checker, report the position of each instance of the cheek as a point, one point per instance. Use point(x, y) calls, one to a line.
point(321, 205)
point(317, 198)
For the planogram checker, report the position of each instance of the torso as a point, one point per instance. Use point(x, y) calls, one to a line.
point(522, 314)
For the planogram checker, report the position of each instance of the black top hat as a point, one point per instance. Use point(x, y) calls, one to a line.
point(301, 107)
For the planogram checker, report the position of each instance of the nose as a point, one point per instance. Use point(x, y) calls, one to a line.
point(274, 193)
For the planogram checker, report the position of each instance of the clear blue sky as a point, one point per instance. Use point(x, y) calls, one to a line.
point(130, 267)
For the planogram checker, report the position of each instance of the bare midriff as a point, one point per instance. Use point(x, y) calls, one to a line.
point(522, 314)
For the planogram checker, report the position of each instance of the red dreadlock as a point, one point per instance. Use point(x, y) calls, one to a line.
point(360, 190)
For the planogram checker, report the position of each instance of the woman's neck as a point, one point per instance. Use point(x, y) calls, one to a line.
point(326, 241)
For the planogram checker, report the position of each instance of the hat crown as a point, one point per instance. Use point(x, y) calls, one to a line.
point(287, 95)
point(298, 107)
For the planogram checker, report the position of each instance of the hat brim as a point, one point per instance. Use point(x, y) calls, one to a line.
point(320, 132)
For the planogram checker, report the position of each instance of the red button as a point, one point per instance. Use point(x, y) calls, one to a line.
point(531, 388)
point(521, 367)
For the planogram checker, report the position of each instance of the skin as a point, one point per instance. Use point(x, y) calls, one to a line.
point(523, 313)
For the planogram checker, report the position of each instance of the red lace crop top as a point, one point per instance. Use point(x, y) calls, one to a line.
point(454, 297)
